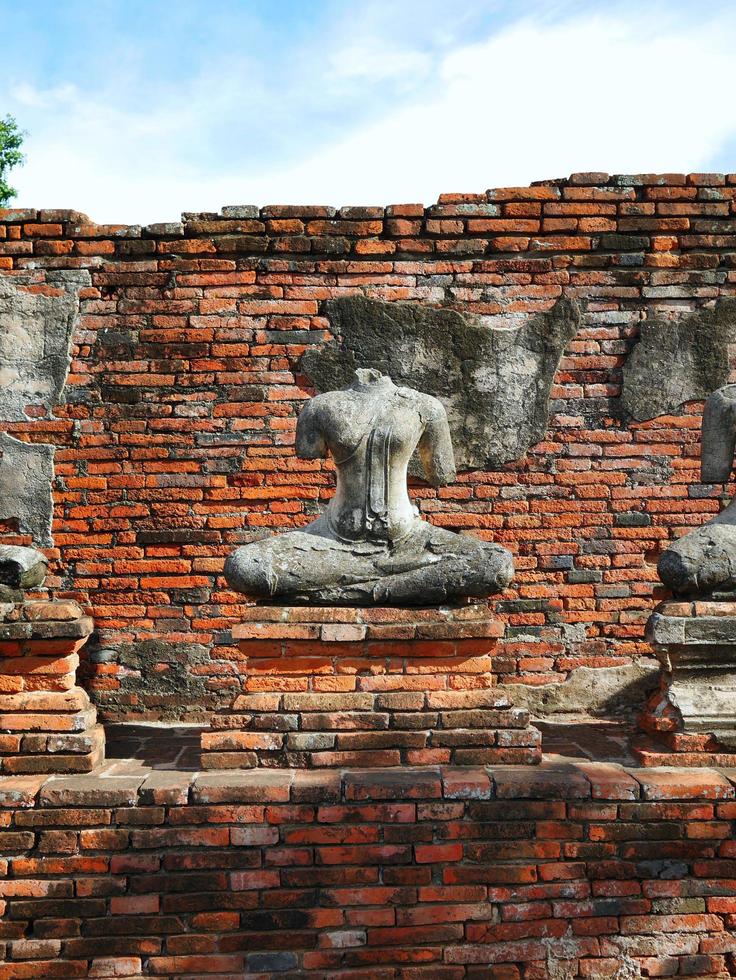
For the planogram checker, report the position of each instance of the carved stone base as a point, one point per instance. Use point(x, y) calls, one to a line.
point(47, 724)
point(347, 686)
point(691, 719)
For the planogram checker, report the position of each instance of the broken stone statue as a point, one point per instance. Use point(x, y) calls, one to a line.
point(370, 546)
point(693, 714)
point(21, 568)
point(703, 562)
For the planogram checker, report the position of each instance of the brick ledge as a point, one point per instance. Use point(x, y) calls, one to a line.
point(121, 783)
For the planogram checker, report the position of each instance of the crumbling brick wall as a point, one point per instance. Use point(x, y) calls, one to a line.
point(573, 872)
point(175, 439)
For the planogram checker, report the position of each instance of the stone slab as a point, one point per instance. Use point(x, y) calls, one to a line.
point(47, 630)
point(102, 788)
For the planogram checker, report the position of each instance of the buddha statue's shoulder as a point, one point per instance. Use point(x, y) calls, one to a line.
point(327, 401)
point(321, 408)
point(428, 406)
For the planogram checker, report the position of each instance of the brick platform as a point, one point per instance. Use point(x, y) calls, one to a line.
point(691, 719)
point(369, 687)
point(569, 870)
point(47, 723)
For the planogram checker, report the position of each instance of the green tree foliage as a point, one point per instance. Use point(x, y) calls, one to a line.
point(11, 140)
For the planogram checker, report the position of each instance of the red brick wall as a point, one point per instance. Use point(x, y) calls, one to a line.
point(176, 441)
point(521, 874)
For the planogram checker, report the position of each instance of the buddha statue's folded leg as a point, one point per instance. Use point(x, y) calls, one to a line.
point(302, 567)
point(440, 566)
point(701, 562)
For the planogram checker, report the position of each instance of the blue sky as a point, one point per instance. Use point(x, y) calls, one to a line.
point(140, 109)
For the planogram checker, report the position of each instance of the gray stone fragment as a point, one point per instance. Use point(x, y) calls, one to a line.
point(240, 211)
point(36, 325)
point(26, 472)
point(271, 962)
point(584, 576)
point(22, 568)
point(710, 630)
point(311, 741)
point(494, 381)
point(676, 361)
point(590, 690)
point(35, 338)
point(665, 629)
point(370, 547)
point(168, 229)
point(633, 519)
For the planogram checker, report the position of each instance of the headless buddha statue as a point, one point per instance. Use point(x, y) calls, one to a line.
point(370, 546)
point(703, 562)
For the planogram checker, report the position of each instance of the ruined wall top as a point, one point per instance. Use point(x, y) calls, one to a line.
point(510, 219)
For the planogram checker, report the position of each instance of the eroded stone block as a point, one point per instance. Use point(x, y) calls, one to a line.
point(492, 374)
point(26, 472)
point(36, 325)
point(676, 361)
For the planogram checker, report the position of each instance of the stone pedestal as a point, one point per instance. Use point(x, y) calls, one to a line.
point(369, 687)
point(691, 719)
point(47, 724)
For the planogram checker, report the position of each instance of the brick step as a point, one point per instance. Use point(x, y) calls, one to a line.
point(655, 752)
point(47, 723)
point(318, 690)
point(515, 718)
point(320, 740)
point(238, 748)
point(52, 753)
point(385, 700)
point(56, 702)
point(30, 721)
point(371, 758)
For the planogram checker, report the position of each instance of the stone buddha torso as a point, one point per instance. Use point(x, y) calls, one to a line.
point(371, 430)
point(370, 546)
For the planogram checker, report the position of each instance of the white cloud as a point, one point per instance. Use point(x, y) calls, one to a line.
point(27, 95)
point(375, 61)
point(534, 101)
